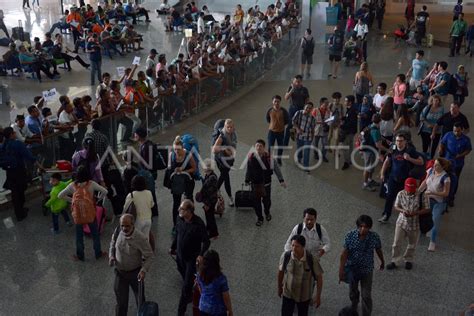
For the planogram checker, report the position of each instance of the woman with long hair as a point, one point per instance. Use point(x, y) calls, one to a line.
point(437, 185)
point(224, 150)
point(387, 115)
point(428, 118)
point(209, 196)
point(215, 297)
point(143, 201)
point(404, 122)
point(362, 82)
point(83, 180)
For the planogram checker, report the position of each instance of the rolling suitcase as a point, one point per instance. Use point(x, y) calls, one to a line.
point(100, 218)
point(18, 32)
point(147, 308)
point(244, 198)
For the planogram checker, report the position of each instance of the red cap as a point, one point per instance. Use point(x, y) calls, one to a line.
point(410, 185)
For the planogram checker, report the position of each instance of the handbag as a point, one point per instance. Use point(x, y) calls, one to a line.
point(425, 220)
point(167, 179)
point(131, 209)
point(220, 204)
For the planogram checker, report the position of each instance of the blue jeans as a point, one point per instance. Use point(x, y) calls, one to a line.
point(278, 137)
point(96, 68)
point(80, 240)
point(291, 112)
point(304, 153)
point(324, 143)
point(56, 219)
point(437, 209)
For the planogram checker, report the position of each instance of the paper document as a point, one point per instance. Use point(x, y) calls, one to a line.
point(330, 119)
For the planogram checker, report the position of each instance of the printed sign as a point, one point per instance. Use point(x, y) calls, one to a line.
point(50, 95)
point(120, 71)
point(136, 60)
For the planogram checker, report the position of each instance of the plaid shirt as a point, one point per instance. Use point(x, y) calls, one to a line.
point(409, 203)
point(101, 142)
point(305, 122)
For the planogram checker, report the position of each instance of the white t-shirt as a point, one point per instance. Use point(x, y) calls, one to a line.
point(361, 30)
point(22, 133)
point(435, 183)
point(65, 118)
point(143, 201)
point(150, 63)
point(379, 100)
point(200, 25)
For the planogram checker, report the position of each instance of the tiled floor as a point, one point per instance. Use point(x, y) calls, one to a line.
point(37, 276)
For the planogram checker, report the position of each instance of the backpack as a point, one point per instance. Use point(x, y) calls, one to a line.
point(218, 126)
point(7, 158)
point(159, 157)
point(309, 260)
point(308, 47)
point(318, 230)
point(337, 42)
point(452, 85)
point(83, 205)
point(190, 142)
point(366, 137)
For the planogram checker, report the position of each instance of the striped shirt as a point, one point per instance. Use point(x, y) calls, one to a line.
point(306, 123)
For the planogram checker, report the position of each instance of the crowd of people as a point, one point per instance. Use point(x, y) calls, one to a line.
point(380, 127)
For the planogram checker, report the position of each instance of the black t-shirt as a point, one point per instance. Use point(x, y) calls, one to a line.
point(448, 121)
point(421, 18)
point(298, 97)
point(400, 168)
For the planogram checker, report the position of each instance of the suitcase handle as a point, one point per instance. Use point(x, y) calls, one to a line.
point(20, 23)
point(141, 289)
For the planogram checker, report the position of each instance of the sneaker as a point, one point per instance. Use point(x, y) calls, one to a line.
point(345, 166)
point(268, 217)
point(408, 265)
point(391, 266)
point(259, 223)
point(231, 201)
point(374, 183)
point(325, 159)
point(432, 246)
point(368, 187)
point(383, 219)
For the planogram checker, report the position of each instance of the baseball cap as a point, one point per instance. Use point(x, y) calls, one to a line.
point(410, 185)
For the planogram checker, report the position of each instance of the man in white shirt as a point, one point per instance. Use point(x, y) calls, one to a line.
point(23, 134)
point(66, 139)
point(317, 238)
point(103, 85)
point(150, 60)
point(381, 96)
point(201, 27)
point(361, 30)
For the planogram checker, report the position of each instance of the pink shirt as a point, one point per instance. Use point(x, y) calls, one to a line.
point(399, 93)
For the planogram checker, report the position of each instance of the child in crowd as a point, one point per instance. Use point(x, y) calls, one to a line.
point(55, 204)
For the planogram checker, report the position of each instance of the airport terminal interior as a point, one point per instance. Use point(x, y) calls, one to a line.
point(39, 277)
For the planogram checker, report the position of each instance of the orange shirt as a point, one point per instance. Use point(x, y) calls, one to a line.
point(96, 28)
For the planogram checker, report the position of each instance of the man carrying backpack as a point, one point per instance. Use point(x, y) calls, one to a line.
point(307, 45)
point(317, 238)
point(154, 161)
point(13, 155)
point(336, 45)
point(297, 272)
point(371, 147)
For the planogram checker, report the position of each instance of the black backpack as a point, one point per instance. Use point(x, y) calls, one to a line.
point(366, 137)
point(337, 41)
point(309, 260)
point(452, 85)
point(318, 230)
point(7, 158)
point(308, 47)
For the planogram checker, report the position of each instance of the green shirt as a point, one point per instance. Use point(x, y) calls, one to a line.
point(56, 204)
point(458, 28)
